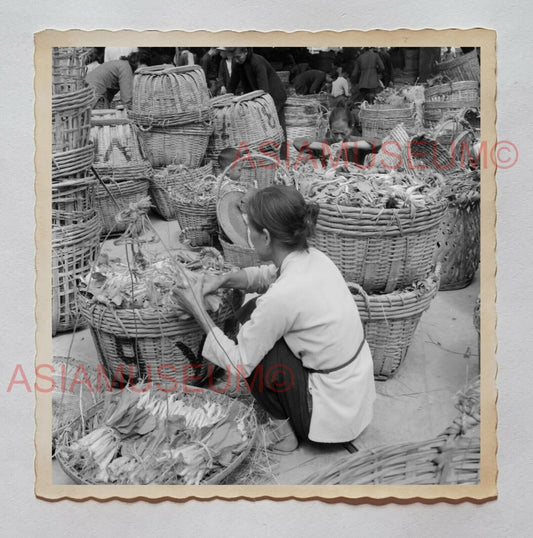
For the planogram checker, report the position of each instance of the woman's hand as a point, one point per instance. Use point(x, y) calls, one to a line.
point(211, 283)
point(191, 299)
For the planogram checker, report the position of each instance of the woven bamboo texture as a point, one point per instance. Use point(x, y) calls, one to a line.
point(152, 342)
point(237, 255)
point(71, 120)
point(72, 201)
point(458, 243)
point(118, 154)
point(380, 249)
point(81, 428)
point(390, 322)
point(305, 118)
point(167, 96)
point(114, 198)
point(186, 144)
point(444, 100)
point(74, 250)
point(378, 120)
point(465, 67)
point(73, 162)
point(192, 214)
point(68, 69)
point(244, 122)
point(168, 180)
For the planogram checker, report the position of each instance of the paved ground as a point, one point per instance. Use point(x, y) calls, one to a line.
point(416, 404)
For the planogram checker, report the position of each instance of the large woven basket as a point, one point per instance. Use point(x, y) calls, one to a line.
point(182, 144)
point(379, 119)
point(118, 155)
point(72, 163)
point(446, 99)
point(390, 322)
point(458, 243)
point(74, 250)
point(80, 426)
point(306, 118)
point(167, 96)
point(152, 342)
point(167, 180)
point(245, 122)
point(237, 255)
point(465, 67)
point(71, 120)
point(73, 201)
point(112, 197)
point(380, 249)
point(68, 69)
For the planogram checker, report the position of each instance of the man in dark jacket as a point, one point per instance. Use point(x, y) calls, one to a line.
point(310, 82)
point(209, 63)
point(366, 73)
point(255, 73)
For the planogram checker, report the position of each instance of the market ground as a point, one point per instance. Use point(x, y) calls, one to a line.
point(415, 405)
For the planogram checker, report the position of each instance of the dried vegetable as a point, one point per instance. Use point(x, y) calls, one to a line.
point(463, 188)
point(353, 186)
point(148, 283)
point(157, 438)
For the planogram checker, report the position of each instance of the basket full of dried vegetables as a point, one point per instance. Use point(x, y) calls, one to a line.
point(378, 226)
point(143, 436)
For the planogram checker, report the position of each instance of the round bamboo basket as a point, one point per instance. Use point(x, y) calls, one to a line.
point(152, 342)
point(458, 243)
point(166, 96)
point(73, 201)
point(305, 118)
point(113, 198)
point(82, 426)
point(71, 120)
point(118, 155)
point(183, 144)
point(168, 180)
point(465, 67)
point(380, 249)
point(249, 123)
point(379, 119)
point(74, 250)
point(73, 162)
point(390, 322)
point(68, 69)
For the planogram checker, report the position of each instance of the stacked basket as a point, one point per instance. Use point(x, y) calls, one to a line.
point(172, 111)
point(123, 171)
point(379, 119)
point(306, 117)
point(75, 223)
point(464, 67)
point(387, 256)
point(250, 124)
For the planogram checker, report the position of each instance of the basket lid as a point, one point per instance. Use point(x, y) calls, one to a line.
point(230, 216)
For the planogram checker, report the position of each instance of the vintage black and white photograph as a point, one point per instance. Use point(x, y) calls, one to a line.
point(265, 264)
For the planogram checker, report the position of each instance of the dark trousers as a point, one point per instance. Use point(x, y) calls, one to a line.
point(279, 383)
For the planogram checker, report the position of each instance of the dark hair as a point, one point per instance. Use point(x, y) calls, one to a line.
point(341, 113)
point(285, 214)
point(227, 156)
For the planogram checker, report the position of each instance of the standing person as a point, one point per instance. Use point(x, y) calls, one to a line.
point(184, 57)
point(311, 82)
point(209, 63)
point(366, 73)
point(255, 73)
point(111, 77)
point(116, 53)
point(225, 69)
point(301, 346)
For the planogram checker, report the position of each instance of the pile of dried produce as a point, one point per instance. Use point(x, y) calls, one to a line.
point(153, 437)
point(378, 188)
point(148, 283)
point(402, 96)
point(202, 192)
